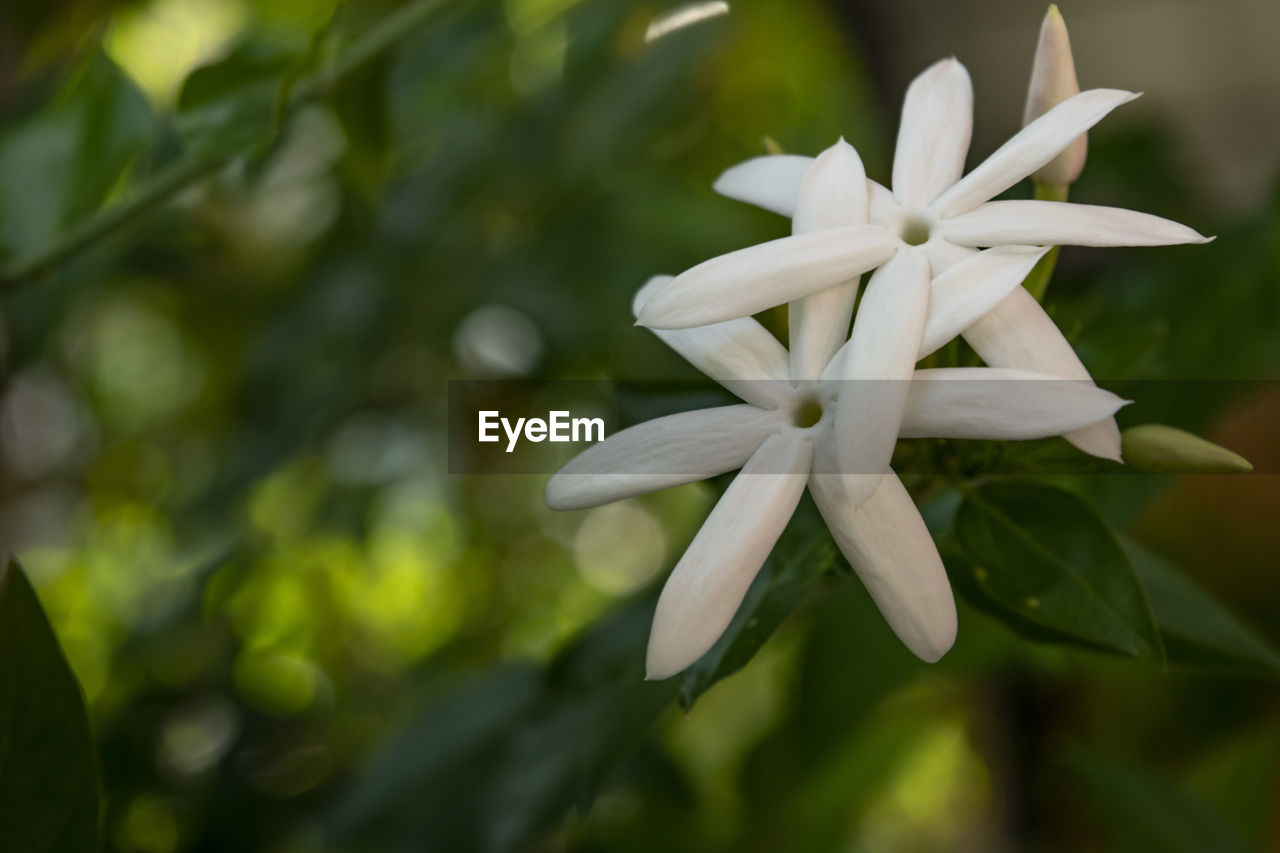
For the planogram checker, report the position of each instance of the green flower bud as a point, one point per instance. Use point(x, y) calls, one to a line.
point(1164, 449)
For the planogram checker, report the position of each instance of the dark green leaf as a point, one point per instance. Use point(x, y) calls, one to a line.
point(1042, 557)
point(799, 560)
point(1147, 814)
point(59, 165)
point(232, 107)
point(1196, 629)
point(48, 771)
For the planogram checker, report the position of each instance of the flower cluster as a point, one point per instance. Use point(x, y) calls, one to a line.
point(827, 412)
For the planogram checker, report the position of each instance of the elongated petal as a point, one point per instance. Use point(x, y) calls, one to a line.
point(933, 138)
point(834, 194)
point(707, 585)
point(1018, 334)
point(886, 542)
point(998, 403)
point(971, 288)
point(1029, 149)
point(749, 280)
point(739, 354)
point(669, 451)
point(883, 346)
point(771, 182)
point(1057, 223)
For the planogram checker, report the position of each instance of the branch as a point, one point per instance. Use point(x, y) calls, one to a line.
point(186, 171)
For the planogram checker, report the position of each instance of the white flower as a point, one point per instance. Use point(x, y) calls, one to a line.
point(931, 222)
point(782, 438)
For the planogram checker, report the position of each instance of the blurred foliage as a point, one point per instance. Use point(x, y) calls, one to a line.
point(223, 432)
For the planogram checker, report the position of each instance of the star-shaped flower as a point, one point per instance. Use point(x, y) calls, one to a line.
point(931, 223)
point(782, 437)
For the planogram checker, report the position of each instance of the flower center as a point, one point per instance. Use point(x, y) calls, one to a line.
point(915, 230)
point(807, 414)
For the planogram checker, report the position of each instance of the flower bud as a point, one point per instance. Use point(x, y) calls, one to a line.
point(1053, 80)
point(1163, 449)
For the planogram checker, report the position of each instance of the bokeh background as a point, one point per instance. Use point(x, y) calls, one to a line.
point(222, 428)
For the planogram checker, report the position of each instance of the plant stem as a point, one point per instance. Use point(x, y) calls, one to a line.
point(1037, 281)
point(168, 182)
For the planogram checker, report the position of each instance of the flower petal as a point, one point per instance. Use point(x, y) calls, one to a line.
point(669, 451)
point(971, 288)
point(883, 346)
point(707, 585)
point(933, 138)
point(1056, 223)
point(771, 182)
point(739, 354)
point(1029, 149)
point(1018, 334)
point(834, 194)
point(888, 545)
point(749, 280)
point(998, 403)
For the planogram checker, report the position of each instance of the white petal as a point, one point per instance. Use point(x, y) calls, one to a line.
point(1056, 223)
point(834, 194)
point(750, 280)
point(883, 346)
point(707, 585)
point(998, 403)
point(669, 451)
point(886, 542)
point(933, 139)
point(943, 255)
point(771, 182)
point(971, 288)
point(1018, 334)
point(739, 354)
point(882, 208)
point(1029, 149)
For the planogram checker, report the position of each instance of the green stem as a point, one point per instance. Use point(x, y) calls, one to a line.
point(1037, 281)
point(186, 171)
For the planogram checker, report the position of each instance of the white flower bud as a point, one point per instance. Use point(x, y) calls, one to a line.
point(1053, 80)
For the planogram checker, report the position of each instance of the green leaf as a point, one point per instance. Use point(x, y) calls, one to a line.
point(530, 741)
point(48, 772)
point(1147, 814)
point(798, 562)
point(1196, 629)
point(233, 107)
point(1044, 560)
point(59, 165)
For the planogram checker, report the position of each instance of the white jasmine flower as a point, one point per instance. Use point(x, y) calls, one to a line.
point(931, 221)
point(782, 438)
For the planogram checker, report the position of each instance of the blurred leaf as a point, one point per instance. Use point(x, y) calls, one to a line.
point(1196, 629)
point(802, 556)
point(511, 753)
point(596, 709)
point(442, 744)
point(1149, 814)
point(48, 775)
point(60, 164)
point(233, 106)
point(1043, 557)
